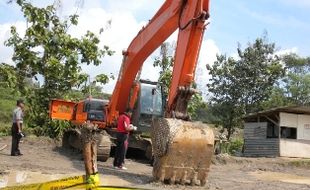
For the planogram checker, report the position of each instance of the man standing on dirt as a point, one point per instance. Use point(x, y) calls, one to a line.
point(123, 129)
point(17, 127)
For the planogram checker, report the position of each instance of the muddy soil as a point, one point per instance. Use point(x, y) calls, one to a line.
point(45, 160)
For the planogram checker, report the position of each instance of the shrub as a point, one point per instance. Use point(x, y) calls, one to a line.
point(233, 146)
point(5, 129)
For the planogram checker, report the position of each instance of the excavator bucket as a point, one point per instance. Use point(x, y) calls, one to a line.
point(182, 151)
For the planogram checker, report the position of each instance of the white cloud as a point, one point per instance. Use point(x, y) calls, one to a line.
point(298, 3)
point(208, 53)
point(135, 6)
point(6, 52)
point(124, 27)
point(287, 51)
point(119, 34)
point(235, 56)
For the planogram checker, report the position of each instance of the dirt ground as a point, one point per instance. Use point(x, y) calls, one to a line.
point(45, 160)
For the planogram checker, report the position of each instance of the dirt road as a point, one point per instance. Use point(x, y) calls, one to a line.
point(45, 160)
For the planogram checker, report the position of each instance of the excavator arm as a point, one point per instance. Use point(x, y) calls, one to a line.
point(189, 17)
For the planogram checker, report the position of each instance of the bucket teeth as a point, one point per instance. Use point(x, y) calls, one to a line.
point(182, 151)
point(181, 176)
point(204, 179)
point(162, 175)
point(184, 178)
point(173, 178)
point(194, 180)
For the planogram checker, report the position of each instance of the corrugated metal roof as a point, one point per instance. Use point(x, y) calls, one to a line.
point(287, 109)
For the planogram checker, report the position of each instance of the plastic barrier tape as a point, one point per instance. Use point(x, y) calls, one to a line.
point(75, 182)
point(3, 147)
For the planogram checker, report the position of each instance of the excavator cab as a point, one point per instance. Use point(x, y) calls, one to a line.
point(149, 105)
point(95, 109)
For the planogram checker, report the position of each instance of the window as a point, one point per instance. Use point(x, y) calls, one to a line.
point(288, 133)
point(272, 130)
point(150, 100)
point(93, 106)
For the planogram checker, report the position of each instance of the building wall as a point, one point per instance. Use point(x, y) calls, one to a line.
point(256, 143)
point(299, 147)
point(288, 120)
point(295, 148)
point(303, 129)
point(299, 121)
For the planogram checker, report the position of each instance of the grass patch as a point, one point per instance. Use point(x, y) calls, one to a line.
point(232, 147)
point(301, 163)
point(7, 104)
point(5, 129)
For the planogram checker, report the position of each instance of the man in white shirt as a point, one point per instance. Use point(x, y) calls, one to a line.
point(17, 127)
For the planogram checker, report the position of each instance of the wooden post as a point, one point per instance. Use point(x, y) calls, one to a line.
point(88, 133)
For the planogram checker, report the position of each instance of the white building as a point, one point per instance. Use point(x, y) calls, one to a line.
point(283, 131)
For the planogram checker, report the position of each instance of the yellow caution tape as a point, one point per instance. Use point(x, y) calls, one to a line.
point(3, 147)
point(75, 182)
point(51, 185)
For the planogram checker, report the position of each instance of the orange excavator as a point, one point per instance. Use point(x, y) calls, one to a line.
point(181, 149)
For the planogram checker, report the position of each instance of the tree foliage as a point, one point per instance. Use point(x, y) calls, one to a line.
point(239, 86)
point(294, 87)
point(297, 79)
point(165, 63)
point(7, 76)
point(47, 50)
point(277, 98)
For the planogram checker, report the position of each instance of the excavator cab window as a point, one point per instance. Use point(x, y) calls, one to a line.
point(149, 105)
point(93, 105)
point(151, 100)
point(94, 109)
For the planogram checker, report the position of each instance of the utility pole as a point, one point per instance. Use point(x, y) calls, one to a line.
point(90, 86)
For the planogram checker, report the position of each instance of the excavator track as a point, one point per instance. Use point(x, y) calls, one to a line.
point(72, 138)
point(182, 151)
point(104, 146)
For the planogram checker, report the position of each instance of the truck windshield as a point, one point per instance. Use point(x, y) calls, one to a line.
point(151, 103)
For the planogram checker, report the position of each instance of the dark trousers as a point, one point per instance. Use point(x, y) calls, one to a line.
point(120, 150)
point(15, 140)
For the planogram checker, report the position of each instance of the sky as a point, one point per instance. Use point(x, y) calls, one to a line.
point(287, 23)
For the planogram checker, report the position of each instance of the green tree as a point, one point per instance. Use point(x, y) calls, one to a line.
point(297, 79)
point(165, 63)
point(8, 76)
point(240, 86)
point(196, 105)
point(49, 51)
point(277, 98)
